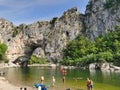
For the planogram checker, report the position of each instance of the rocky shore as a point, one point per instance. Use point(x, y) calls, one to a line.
point(6, 85)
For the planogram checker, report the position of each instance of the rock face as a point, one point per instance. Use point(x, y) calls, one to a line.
point(99, 20)
point(46, 39)
point(5, 30)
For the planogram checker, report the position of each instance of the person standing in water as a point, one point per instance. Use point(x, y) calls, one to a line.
point(63, 79)
point(42, 79)
point(53, 81)
point(91, 84)
point(88, 84)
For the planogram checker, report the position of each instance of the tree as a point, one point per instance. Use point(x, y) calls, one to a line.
point(3, 48)
point(84, 51)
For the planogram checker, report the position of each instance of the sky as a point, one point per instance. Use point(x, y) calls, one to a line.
point(30, 11)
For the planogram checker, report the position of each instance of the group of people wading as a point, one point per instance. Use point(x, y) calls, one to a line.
point(89, 84)
point(63, 71)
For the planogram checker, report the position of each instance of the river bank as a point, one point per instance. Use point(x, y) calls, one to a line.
point(8, 65)
point(6, 85)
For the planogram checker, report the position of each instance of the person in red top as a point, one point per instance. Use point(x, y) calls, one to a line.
point(64, 72)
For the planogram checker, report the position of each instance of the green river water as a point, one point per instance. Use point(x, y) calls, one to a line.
point(103, 80)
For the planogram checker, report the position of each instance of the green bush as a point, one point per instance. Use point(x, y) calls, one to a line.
point(108, 4)
point(36, 60)
point(15, 31)
point(83, 51)
point(3, 48)
point(111, 4)
point(117, 59)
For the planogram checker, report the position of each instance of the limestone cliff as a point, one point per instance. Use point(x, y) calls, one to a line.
point(99, 20)
point(46, 39)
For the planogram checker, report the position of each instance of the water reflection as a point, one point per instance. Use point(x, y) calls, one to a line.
point(92, 73)
point(25, 70)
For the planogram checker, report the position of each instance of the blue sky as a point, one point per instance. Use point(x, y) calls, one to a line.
point(29, 11)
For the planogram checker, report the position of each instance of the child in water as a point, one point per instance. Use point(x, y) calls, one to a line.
point(63, 79)
point(53, 81)
point(42, 79)
point(91, 85)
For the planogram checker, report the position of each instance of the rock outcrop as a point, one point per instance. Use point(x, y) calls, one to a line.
point(99, 20)
point(46, 39)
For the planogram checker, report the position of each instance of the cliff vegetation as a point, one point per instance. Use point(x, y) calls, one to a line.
point(112, 4)
point(83, 51)
point(3, 48)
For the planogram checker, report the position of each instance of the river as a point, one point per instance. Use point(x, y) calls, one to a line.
point(75, 78)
